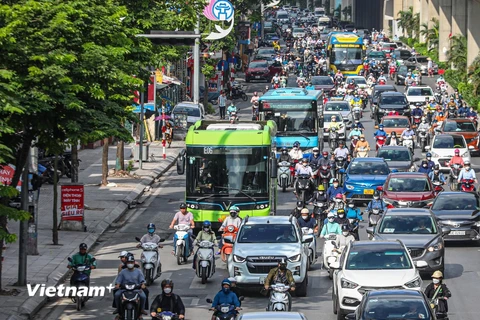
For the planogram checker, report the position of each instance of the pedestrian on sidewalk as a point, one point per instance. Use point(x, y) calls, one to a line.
point(222, 101)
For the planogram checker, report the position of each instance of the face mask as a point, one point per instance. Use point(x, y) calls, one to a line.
point(341, 215)
point(206, 229)
point(335, 185)
point(295, 148)
point(283, 268)
point(167, 290)
point(130, 265)
point(467, 168)
point(233, 214)
point(325, 157)
point(226, 290)
point(151, 230)
point(315, 153)
point(429, 158)
point(436, 171)
point(376, 198)
point(345, 233)
point(436, 281)
point(304, 217)
point(424, 165)
point(363, 139)
point(305, 164)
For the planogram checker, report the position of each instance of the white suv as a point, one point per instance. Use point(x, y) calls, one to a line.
point(443, 148)
point(264, 241)
point(371, 265)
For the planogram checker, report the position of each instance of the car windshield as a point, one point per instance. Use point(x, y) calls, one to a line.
point(408, 184)
point(269, 36)
point(257, 65)
point(374, 258)
point(321, 81)
point(376, 54)
point(453, 126)
point(396, 123)
point(368, 168)
point(328, 117)
point(267, 233)
point(395, 307)
point(422, 59)
point(266, 52)
point(402, 54)
point(394, 154)
point(400, 224)
point(192, 112)
point(298, 30)
point(419, 92)
point(395, 100)
point(337, 107)
point(403, 69)
point(456, 202)
point(449, 142)
point(359, 80)
point(284, 16)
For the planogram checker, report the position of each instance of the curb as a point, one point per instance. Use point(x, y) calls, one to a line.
point(32, 305)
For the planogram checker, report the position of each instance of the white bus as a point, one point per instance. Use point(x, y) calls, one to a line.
point(319, 12)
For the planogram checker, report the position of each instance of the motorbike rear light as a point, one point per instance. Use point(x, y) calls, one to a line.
point(390, 206)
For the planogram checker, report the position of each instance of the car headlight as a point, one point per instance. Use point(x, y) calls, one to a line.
point(435, 247)
point(349, 187)
point(347, 284)
point(295, 258)
point(415, 283)
point(387, 201)
point(237, 258)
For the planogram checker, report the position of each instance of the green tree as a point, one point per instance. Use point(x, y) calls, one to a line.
point(474, 78)
point(405, 21)
point(457, 55)
point(431, 35)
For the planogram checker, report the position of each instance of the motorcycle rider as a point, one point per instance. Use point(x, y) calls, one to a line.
point(327, 162)
point(439, 118)
point(467, 173)
point(424, 167)
point(341, 151)
point(184, 217)
point(352, 86)
point(255, 98)
point(362, 144)
point(151, 236)
point(355, 131)
point(128, 276)
point(431, 164)
point(168, 301)
point(436, 175)
point(310, 86)
point(438, 290)
point(376, 203)
point(330, 227)
point(232, 219)
point(226, 296)
point(355, 214)
point(417, 112)
point(280, 274)
point(306, 220)
point(360, 125)
point(234, 288)
point(335, 189)
point(380, 132)
point(342, 219)
point(393, 140)
point(423, 125)
point(343, 239)
point(296, 153)
point(82, 257)
point(296, 212)
point(334, 124)
point(206, 234)
point(314, 159)
point(456, 159)
point(304, 169)
point(231, 108)
point(284, 156)
point(409, 132)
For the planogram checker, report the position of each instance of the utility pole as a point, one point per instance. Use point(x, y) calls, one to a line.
point(262, 21)
point(196, 64)
point(22, 243)
point(142, 111)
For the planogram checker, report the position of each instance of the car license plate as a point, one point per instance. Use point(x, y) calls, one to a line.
point(457, 233)
point(368, 191)
point(261, 280)
point(257, 77)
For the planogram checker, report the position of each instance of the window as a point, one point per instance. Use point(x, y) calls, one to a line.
point(346, 56)
point(395, 100)
point(448, 142)
point(457, 203)
point(337, 107)
point(294, 121)
point(395, 123)
point(420, 92)
point(408, 185)
point(374, 258)
point(407, 225)
point(319, 81)
point(192, 112)
point(377, 54)
point(453, 126)
point(422, 60)
point(368, 168)
point(298, 30)
point(258, 65)
point(359, 80)
point(395, 307)
point(328, 117)
point(267, 233)
point(394, 155)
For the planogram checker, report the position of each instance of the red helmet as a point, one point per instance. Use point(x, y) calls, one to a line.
point(339, 196)
point(325, 153)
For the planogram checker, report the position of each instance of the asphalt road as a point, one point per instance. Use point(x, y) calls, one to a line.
point(462, 259)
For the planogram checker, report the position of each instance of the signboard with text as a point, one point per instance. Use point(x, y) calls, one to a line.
point(72, 202)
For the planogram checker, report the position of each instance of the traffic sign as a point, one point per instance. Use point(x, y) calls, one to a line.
point(146, 106)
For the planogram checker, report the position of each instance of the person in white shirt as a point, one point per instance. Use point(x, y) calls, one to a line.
point(296, 153)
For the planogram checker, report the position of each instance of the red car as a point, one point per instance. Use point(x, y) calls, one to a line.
point(408, 189)
point(262, 70)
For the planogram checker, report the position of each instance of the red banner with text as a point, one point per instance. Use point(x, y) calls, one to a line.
point(72, 203)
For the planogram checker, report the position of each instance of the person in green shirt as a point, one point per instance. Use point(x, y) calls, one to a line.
point(82, 257)
point(206, 234)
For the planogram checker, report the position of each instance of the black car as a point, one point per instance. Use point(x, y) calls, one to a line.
point(377, 90)
point(401, 54)
point(458, 211)
point(391, 101)
point(398, 158)
point(394, 304)
point(324, 83)
point(419, 231)
point(401, 74)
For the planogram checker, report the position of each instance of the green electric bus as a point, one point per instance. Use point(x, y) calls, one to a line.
point(229, 165)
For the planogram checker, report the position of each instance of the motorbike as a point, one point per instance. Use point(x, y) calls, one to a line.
point(452, 112)
point(284, 175)
point(182, 248)
point(166, 315)
point(312, 246)
point(422, 139)
point(437, 185)
point(357, 110)
point(130, 302)
point(380, 141)
point(333, 138)
point(407, 141)
point(353, 143)
point(292, 171)
point(467, 185)
point(48, 174)
point(225, 311)
point(362, 152)
point(80, 278)
point(373, 216)
point(280, 299)
point(304, 187)
point(355, 223)
point(233, 116)
point(324, 175)
point(230, 231)
point(417, 120)
point(151, 265)
point(329, 253)
point(319, 214)
point(434, 306)
point(239, 94)
point(339, 164)
point(276, 84)
point(205, 263)
point(454, 173)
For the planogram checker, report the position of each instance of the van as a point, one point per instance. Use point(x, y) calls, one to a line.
point(282, 16)
point(319, 12)
point(324, 21)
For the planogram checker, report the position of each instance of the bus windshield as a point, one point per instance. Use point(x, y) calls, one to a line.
point(227, 171)
point(293, 122)
point(346, 56)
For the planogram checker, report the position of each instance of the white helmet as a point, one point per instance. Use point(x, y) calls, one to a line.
point(331, 215)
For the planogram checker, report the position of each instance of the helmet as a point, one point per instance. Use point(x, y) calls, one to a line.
point(304, 160)
point(123, 254)
point(466, 163)
point(83, 246)
point(437, 274)
point(315, 149)
point(226, 281)
point(282, 263)
point(167, 282)
point(340, 211)
point(330, 215)
point(380, 126)
point(437, 167)
point(284, 150)
point(234, 208)
point(183, 206)
point(299, 204)
point(130, 257)
point(151, 226)
point(339, 196)
point(345, 228)
point(207, 224)
point(335, 180)
point(429, 155)
point(424, 162)
point(457, 151)
point(304, 210)
point(321, 187)
point(296, 144)
point(255, 93)
point(233, 279)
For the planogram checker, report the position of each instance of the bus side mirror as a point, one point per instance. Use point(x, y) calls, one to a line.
point(274, 168)
point(181, 162)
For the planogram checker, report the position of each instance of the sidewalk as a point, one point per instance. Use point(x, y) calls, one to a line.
point(105, 206)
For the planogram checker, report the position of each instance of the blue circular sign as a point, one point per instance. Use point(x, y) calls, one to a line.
point(223, 10)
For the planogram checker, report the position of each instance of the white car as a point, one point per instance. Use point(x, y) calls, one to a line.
point(327, 118)
point(360, 81)
point(372, 265)
point(443, 148)
point(194, 112)
point(342, 107)
point(298, 32)
point(419, 94)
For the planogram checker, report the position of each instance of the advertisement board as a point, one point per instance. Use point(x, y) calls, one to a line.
point(72, 202)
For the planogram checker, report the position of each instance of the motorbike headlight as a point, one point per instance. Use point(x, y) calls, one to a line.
point(153, 260)
point(239, 259)
point(415, 283)
point(435, 247)
point(349, 187)
point(209, 255)
point(347, 284)
point(295, 258)
point(142, 258)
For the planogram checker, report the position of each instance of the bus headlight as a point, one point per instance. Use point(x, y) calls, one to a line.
point(193, 206)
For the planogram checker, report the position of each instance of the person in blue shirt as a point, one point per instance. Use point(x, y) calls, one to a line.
point(471, 113)
point(417, 111)
point(380, 132)
point(430, 163)
point(373, 63)
point(310, 86)
point(376, 203)
point(359, 124)
point(424, 167)
point(462, 111)
point(226, 296)
point(355, 131)
point(335, 189)
point(354, 213)
point(231, 108)
point(437, 176)
point(315, 158)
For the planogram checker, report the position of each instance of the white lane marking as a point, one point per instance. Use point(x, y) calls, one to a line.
point(197, 283)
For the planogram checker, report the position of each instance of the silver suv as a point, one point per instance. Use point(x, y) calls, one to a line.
point(264, 241)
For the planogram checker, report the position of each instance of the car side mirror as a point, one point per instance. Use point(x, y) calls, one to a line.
point(273, 165)
point(379, 188)
point(137, 238)
point(228, 239)
point(307, 240)
point(181, 162)
point(446, 230)
point(351, 316)
point(370, 230)
point(420, 264)
point(335, 265)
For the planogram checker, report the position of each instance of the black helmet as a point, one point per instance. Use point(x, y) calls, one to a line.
point(183, 206)
point(83, 246)
point(282, 264)
point(167, 282)
point(151, 226)
point(130, 257)
point(376, 194)
point(437, 167)
point(284, 150)
point(299, 204)
point(345, 227)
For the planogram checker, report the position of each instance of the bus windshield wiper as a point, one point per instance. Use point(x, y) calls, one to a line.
point(210, 196)
point(242, 192)
point(304, 136)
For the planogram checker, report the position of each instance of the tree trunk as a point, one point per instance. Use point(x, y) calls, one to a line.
point(205, 95)
point(3, 227)
point(55, 201)
point(75, 162)
point(105, 162)
point(120, 156)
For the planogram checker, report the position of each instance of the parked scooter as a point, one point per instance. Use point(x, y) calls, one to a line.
point(80, 279)
point(182, 249)
point(130, 306)
point(329, 253)
point(312, 246)
point(283, 175)
point(205, 263)
point(151, 265)
point(280, 298)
